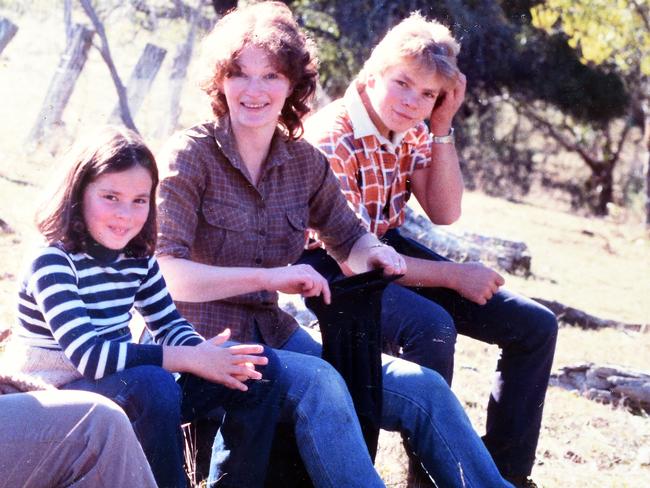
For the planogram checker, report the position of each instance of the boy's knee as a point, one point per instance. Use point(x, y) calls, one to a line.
point(546, 326)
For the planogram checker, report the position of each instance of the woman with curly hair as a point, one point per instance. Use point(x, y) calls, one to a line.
point(237, 195)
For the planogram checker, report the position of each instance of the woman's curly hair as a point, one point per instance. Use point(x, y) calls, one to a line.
point(272, 27)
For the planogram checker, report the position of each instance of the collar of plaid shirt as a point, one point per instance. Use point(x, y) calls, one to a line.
point(357, 151)
point(364, 128)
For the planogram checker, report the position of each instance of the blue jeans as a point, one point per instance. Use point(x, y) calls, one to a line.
point(418, 403)
point(317, 404)
point(327, 430)
point(423, 323)
point(157, 405)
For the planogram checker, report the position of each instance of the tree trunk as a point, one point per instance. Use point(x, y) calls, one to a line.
point(62, 84)
point(7, 32)
point(142, 77)
point(646, 141)
point(604, 188)
point(67, 19)
point(510, 256)
point(176, 81)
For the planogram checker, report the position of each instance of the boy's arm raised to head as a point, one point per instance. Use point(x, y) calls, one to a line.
point(438, 186)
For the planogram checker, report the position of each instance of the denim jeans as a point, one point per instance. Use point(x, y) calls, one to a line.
point(423, 324)
point(328, 434)
point(157, 405)
point(418, 403)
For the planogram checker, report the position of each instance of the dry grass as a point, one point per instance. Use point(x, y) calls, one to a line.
point(600, 266)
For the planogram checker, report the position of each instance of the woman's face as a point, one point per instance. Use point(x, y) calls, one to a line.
point(116, 206)
point(256, 92)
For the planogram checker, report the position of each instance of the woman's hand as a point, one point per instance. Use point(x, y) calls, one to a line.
point(369, 253)
point(230, 366)
point(298, 278)
point(443, 112)
point(386, 258)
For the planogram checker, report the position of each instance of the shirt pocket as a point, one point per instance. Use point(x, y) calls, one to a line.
point(223, 240)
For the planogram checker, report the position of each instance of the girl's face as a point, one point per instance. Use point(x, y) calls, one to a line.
point(116, 206)
point(256, 92)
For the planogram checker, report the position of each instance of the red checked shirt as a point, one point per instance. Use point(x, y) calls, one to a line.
point(209, 211)
point(374, 172)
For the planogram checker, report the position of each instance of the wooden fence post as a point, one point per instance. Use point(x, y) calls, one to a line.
point(176, 80)
point(7, 31)
point(62, 83)
point(142, 77)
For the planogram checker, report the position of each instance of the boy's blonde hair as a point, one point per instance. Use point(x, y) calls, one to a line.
point(427, 42)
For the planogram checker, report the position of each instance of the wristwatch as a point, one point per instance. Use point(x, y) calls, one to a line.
point(448, 139)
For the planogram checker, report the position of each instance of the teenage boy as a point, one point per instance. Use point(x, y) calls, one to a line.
point(380, 148)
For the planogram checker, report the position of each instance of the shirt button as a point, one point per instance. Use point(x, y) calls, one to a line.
point(262, 232)
point(258, 260)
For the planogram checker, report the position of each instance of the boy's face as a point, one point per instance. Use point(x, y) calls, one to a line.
point(402, 96)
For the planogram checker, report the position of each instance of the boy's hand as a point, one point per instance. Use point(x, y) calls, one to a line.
point(387, 258)
point(476, 282)
point(443, 112)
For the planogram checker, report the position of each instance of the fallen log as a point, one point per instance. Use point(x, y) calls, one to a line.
point(573, 316)
point(510, 256)
point(607, 384)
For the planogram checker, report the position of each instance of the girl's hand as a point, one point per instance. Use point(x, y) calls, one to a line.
point(443, 111)
point(298, 278)
point(230, 366)
point(385, 257)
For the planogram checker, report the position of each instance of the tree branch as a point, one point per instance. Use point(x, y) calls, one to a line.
point(617, 152)
point(558, 136)
point(643, 14)
point(104, 49)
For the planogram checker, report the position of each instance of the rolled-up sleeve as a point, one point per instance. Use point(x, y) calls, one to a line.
point(336, 223)
point(182, 182)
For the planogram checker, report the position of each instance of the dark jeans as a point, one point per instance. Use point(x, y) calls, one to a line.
point(424, 322)
point(157, 405)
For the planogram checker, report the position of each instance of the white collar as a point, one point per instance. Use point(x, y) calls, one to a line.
point(362, 124)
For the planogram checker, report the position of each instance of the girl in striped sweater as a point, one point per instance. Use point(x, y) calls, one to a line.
point(74, 307)
point(75, 304)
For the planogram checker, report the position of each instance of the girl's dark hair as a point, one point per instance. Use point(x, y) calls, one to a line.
point(272, 27)
point(112, 150)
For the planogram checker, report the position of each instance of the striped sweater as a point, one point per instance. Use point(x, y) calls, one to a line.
point(82, 304)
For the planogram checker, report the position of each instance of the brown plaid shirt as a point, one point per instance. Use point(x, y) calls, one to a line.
point(374, 172)
point(211, 212)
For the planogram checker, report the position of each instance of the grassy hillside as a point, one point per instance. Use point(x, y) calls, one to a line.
point(600, 266)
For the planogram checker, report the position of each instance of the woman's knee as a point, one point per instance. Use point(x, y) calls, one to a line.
point(311, 372)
